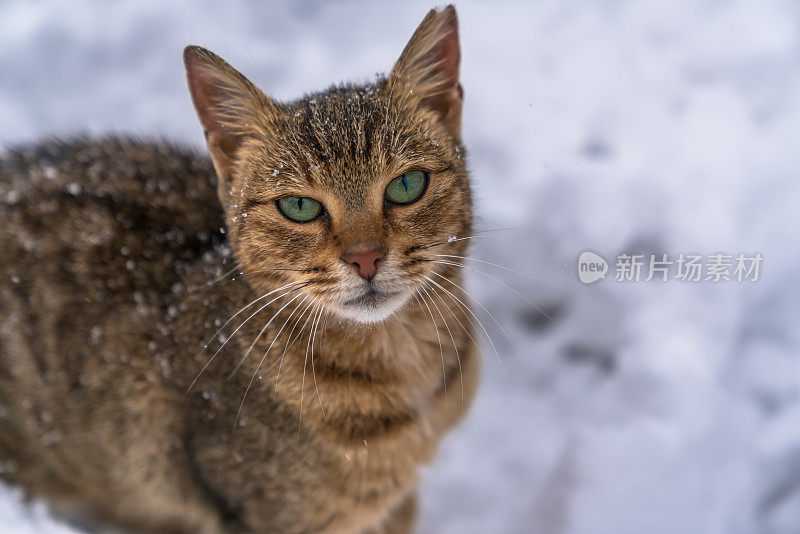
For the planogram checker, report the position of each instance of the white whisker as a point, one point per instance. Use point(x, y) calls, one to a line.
point(455, 346)
point(205, 345)
point(289, 341)
point(467, 309)
point(453, 240)
point(313, 373)
point(305, 362)
point(261, 332)
point(526, 299)
point(438, 337)
point(545, 282)
point(258, 367)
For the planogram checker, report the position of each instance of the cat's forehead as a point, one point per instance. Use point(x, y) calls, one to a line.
point(348, 136)
point(343, 131)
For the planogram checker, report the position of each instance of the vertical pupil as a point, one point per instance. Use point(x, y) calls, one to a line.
point(405, 184)
point(300, 204)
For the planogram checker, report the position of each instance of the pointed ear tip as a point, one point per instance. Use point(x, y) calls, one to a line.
point(194, 53)
point(191, 53)
point(445, 18)
point(449, 13)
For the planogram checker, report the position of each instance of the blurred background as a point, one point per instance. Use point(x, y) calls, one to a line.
point(638, 127)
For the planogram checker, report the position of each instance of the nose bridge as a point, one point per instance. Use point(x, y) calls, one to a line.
point(361, 236)
point(360, 230)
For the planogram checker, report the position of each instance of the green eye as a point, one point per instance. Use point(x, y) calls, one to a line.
point(299, 209)
point(407, 187)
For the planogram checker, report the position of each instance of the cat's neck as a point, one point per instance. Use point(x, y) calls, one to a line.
point(349, 378)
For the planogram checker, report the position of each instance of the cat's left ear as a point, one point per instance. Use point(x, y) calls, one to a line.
point(427, 70)
point(228, 105)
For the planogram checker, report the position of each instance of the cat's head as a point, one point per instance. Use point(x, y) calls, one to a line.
point(349, 193)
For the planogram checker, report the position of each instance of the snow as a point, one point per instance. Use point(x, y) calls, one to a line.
point(619, 126)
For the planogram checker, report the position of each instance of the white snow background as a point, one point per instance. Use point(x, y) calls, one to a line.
point(616, 126)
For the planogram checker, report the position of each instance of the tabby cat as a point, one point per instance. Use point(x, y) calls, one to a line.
point(268, 341)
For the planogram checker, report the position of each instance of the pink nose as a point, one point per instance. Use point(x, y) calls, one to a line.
point(365, 262)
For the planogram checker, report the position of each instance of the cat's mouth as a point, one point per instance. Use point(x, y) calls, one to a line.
point(372, 296)
point(372, 305)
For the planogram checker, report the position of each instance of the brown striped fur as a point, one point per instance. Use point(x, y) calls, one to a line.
point(119, 403)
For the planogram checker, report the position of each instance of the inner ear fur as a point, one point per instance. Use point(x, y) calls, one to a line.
point(228, 105)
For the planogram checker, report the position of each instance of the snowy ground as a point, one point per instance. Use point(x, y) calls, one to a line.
point(616, 126)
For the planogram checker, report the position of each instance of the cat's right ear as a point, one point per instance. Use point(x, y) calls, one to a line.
point(228, 105)
point(427, 71)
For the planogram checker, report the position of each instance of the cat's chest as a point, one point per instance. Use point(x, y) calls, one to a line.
point(340, 428)
point(285, 468)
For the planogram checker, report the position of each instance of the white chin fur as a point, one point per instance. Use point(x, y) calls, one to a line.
point(369, 313)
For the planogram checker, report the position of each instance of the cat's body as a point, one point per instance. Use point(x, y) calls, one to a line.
point(126, 396)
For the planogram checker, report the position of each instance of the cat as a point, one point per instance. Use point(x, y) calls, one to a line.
point(271, 340)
